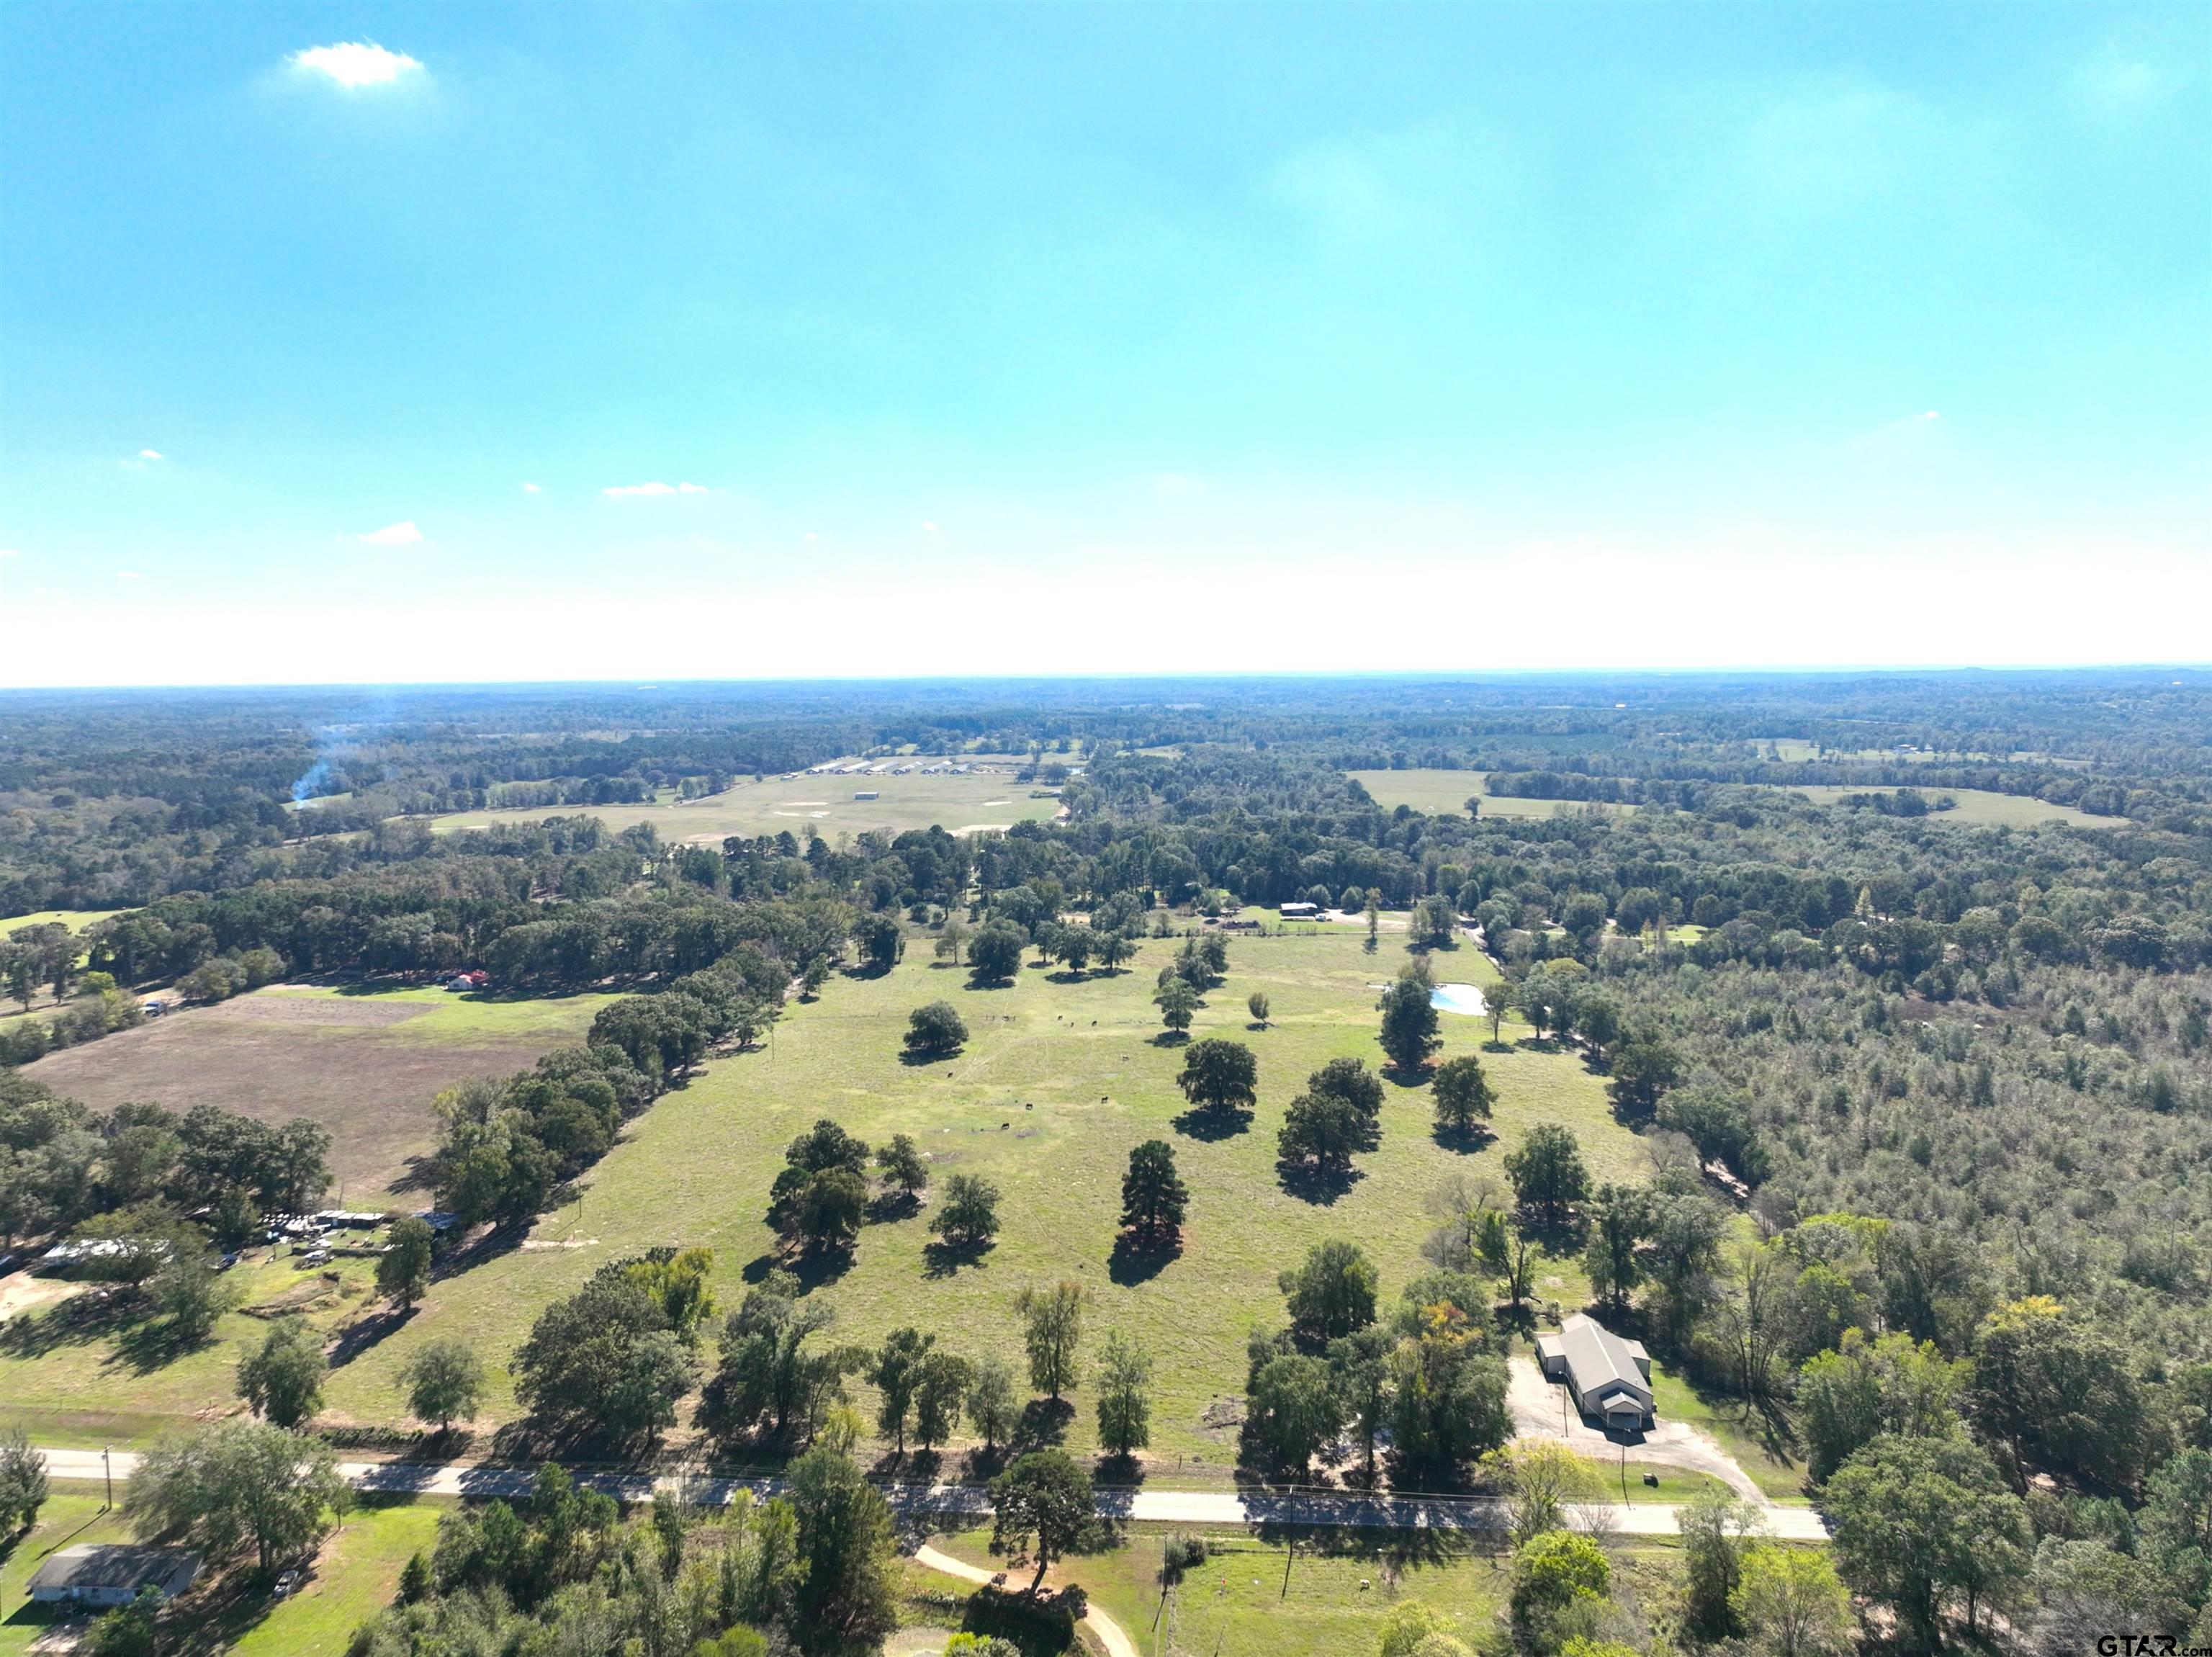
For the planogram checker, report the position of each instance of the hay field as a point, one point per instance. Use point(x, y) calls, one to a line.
point(1060, 1079)
point(1446, 792)
point(1980, 808)
point(954, 803)
point(365, 1063)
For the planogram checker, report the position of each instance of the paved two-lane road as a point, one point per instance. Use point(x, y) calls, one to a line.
point(972, 1501)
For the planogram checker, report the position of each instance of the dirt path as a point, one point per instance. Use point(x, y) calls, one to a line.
point(1109, 1631)
point(1541, 1410)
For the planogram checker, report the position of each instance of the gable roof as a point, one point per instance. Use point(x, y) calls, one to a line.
point(1599, 1360)
point(109, 1565)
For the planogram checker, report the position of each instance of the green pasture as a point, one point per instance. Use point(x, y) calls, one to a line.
point(1251, 1598)
point(355, 1576)
point(76, 1378)
point(1446, 793)
point(1981, 808)
point(76, 919)
point(1061, 1078)
point(915, 801)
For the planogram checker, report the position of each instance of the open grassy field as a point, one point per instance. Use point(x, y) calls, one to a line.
point(1441, 792)
point(954, 803)
point(75, 1375)
point(1983, 808)
point(355, 1576)
point(76, 919)
point(1060, 1079)
point(364, 1061)
point(1238, 1603)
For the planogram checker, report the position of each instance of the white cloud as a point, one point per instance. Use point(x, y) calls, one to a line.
point(529, 489)
point(151, 454)
point(931, 527)
point(354, 63)
point(11, 551)
point(619, 490)
point(399, 534)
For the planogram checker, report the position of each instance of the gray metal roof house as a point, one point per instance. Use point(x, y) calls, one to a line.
point(1610, 1378)
point(110, 1574)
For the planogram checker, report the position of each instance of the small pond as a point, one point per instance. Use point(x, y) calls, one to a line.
point(1458, 998)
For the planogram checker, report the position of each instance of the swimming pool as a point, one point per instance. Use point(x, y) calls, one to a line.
point(1458, 998)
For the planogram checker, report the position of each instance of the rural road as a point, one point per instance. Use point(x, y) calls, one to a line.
point(972, 1501)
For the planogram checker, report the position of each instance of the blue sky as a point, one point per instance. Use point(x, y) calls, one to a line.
point(1119, 339)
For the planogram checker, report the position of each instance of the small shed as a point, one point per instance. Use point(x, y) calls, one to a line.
point(1301, 911)
point(112, 1574)
point(1609, 1377)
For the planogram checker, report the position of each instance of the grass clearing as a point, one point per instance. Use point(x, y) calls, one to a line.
point(364, 1061)
point(954, 803)
point(1446, 793)
point(1979, 806)
point(1238, 1602)
point(76, 919)
point(1059, 1080)
point(356, 1575)
point(75, 1376)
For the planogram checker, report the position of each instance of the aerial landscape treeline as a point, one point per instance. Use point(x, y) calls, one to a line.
point(1922, 1104)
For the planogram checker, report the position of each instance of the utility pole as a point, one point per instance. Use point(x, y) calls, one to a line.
point(1289, 1559)
point(107, 1467)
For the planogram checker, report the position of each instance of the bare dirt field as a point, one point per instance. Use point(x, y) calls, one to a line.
point(366, 1066)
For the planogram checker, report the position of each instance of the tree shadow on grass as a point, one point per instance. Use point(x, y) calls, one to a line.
point(1139, 1260)
point(1043, 1425)
point(915, 1061)
point(816, 1268)
point(1211, 1123)
point(364, 1333)
point(1467, 1142)
point(1171, 1039)
point(416, 1174)
point(1322, 1185)
point(157, 1343)
point(943, 1259)
point(77, 1321)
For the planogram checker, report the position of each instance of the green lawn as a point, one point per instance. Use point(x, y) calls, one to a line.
point(1236, 1604)
point(1764, 1447)
point(748, 808)
point(72, 1514)
point(76, 919)
point(355, 1576)
point(1446, 792)
point(1058, 1081)
point(1980, 808)
point(75, 1380)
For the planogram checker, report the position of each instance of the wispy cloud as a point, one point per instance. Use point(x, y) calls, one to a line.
point(625, 489)
point(399, 534)
point(355, 63)
point(151, 454)
point(143, 459)
point(529, 489)
point(11, 551)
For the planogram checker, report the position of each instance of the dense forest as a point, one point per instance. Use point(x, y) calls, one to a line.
point(1928, 1103)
